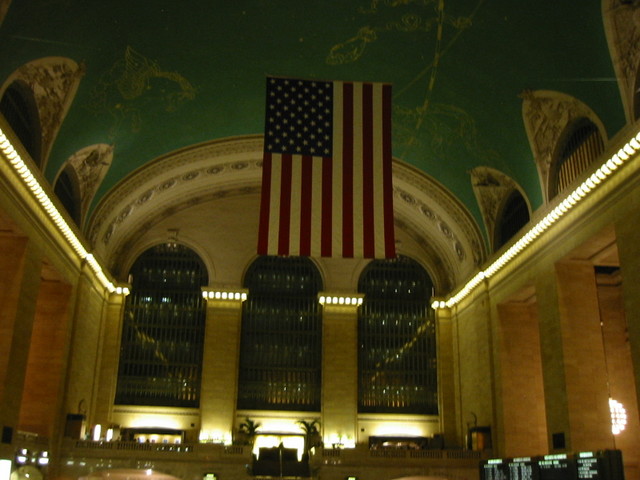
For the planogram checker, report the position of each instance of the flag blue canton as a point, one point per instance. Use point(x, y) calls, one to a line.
point(299, 117)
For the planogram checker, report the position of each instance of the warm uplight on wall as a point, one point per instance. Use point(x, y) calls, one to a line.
point(272, 441)
point(27, 178)
point(618, 416)
point(235, 295)
point(605, 170)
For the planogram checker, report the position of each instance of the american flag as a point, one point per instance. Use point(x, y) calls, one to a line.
point(326, 180)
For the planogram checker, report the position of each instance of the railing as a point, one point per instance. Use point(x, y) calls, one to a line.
point(136, 446)
point(334, 454)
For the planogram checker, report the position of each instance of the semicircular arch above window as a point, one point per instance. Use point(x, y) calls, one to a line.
point(578, 148)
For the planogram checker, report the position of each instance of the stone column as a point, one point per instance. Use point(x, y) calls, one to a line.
point(446, 379)
point(21, 265)
point(629, 254)
point(574, 361)
point(521, 392)
point(109, 359)
point(339, 372)
point(219, 385)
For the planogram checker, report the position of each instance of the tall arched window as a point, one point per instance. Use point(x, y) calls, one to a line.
point(513, 215)
point(163, 329)
point(18, 106)
point(281, 341)
point(580, 149)
point(397, 339)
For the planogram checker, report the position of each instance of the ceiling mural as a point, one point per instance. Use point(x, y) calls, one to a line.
point(158, 77)
point(134, 89)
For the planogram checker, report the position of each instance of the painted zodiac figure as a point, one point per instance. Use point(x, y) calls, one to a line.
point(137, 85)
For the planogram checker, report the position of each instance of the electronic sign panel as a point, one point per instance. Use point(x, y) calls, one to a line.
point(598, 465)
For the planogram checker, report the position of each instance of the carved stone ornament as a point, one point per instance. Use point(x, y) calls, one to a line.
point(546, 115)
point(622, 28)
point(90, 165)
point(53, 81)
point(491, 187)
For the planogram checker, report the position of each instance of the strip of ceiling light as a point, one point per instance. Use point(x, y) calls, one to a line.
point(576, 196)
point(24, 173)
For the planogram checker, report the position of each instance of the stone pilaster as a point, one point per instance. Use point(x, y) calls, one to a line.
point(446, 380)
point(219, 385)
point(340, 372)
point(20, 282)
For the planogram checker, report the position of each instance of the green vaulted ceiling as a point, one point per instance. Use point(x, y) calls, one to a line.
point(161, 75)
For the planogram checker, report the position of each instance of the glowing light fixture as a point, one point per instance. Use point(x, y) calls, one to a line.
point(618, 416)
point(231, 295)
point(23, 456)
point(571, 200)
point(43, 459)
point(341, 300)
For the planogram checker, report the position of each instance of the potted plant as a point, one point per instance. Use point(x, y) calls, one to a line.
point(312, 436)
point(247, 431)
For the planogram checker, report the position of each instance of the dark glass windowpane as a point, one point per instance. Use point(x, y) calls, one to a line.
point(280, 357)
point(515, 215)
point(163, 330)
point(581, 149)
point(397, 339)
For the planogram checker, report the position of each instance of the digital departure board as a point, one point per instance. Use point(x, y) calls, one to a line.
point(494, 470)
point(598, 465)
point(557, 467)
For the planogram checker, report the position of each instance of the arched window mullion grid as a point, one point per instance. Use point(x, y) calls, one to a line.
point(163, 331)
point(396, 335)
point(280, 352)
point(581, 148)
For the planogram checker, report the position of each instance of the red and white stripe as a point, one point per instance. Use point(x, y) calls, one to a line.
point(340, 206)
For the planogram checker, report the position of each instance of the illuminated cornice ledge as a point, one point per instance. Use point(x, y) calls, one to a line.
point(32, 184)
point(595, 180)
point(224, 294)
point(339, 299)
point(600, 175)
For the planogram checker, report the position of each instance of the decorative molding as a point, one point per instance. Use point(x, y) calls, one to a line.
point(622, 28)
point(431, 215)
point(441, 208)
point(200, 164)
point(90, 165)
point(54, 82)
point(127, 240)
point(491, 188)
point(546, 115)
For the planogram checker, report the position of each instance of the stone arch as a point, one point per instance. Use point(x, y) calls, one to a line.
point(622, 28)
point(547, 115)
point(53, 82)
point(428, 218)
point(88, 167)
point(493, 189)
point(18, 105)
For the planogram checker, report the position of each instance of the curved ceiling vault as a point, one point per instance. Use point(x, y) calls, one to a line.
point(149, 79)
point(195, 178)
